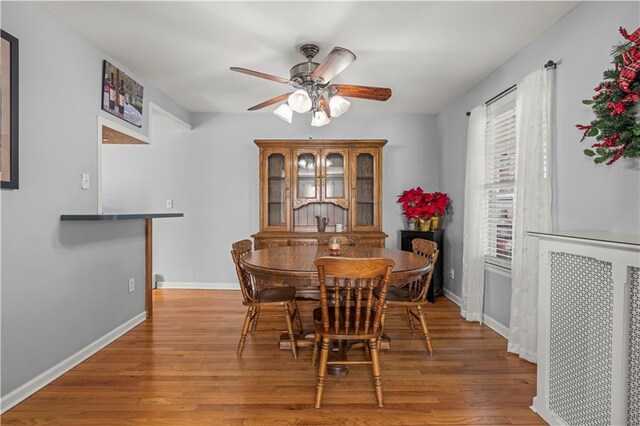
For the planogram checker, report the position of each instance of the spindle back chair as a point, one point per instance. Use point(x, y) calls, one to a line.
point(348, 311)
point(413, 295)
point(257, 296)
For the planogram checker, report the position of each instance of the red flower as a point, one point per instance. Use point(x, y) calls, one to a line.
point(608, 142)
point(616, 108)
point(441, 203)
point(417, 204)
point(616, 157)
point(611, 141)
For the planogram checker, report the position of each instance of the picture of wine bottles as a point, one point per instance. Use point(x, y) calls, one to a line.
point(122, 96)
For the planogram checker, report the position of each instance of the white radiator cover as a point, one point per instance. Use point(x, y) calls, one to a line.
point(588, 329)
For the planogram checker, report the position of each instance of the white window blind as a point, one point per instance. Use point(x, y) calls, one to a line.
point(500, 179)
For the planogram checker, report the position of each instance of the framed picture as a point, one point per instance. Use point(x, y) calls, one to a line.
point(9, 111)
point(122, 96)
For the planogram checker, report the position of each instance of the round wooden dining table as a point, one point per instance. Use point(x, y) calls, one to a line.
point(294, 265)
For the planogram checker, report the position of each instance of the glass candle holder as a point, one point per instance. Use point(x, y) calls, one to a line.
point(334, 246)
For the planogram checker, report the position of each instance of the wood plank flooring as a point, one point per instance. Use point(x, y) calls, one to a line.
point(180, 368)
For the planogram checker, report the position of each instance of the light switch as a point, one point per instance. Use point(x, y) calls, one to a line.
point(169, 204)
point(84, 181)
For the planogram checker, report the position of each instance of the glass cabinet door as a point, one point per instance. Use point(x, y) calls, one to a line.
point(335, 177)
point(306, 177)
point(276, 190)
point(365, 191)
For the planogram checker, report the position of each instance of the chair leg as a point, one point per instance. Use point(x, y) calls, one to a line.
point(322, 371)
point(314, 353)
point(297, 314)
point(382, 319)
point(254, 323)
point(425, 330)
point(292, 337)
point(245, 329)
point(411, 323)
point(375, 368)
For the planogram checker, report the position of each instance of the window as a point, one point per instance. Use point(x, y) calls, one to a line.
point(500, 170)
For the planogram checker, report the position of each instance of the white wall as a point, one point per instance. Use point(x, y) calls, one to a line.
point(64, 284)
point(586, 196)
point(222, 185)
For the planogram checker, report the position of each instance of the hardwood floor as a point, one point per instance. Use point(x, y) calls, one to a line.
point(180, 368)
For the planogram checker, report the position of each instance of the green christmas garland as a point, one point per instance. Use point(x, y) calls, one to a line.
point(616, 127)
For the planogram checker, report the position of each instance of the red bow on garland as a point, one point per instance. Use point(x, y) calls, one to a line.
point(631, 60)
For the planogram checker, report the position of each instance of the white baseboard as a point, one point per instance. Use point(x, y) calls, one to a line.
point(198, 286)
point(496, 326)
point(486, 319)
point(32, 386)
point(455, 299)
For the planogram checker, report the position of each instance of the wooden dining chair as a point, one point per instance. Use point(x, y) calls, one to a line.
point(413, 296)
point(256, 296)
point(345, 240)
point(349, 284)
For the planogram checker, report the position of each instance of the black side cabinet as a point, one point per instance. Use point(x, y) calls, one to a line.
point(436, 236)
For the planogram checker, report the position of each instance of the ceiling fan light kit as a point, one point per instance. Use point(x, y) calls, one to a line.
point(300, 101)
point(338, 105)
point(313, 91)
point(285, 112)
point(319, 119)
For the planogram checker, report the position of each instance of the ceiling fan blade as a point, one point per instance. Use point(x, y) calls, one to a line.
point(270, 102)
point(325, 106)
point(364, 92)
point(335, 62)
point(261, 75)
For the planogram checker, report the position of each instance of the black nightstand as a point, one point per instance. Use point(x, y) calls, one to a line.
point(437, 281)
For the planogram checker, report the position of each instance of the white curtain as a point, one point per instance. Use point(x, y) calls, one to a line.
point(474, 239)
point(534, 128)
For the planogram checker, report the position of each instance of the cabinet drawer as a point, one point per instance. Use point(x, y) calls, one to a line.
point(265, 243)
point(303, 242)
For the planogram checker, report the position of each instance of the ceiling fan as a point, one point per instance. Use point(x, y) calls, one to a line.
point(313, 89)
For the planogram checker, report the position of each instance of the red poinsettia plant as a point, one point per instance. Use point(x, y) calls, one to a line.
point(417, 204)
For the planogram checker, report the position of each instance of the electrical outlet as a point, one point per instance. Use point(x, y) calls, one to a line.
point(452, 274)
point(132, 285)
point(84, 181)
point(169, 204)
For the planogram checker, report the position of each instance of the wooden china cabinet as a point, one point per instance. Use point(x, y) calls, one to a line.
point(337, 179)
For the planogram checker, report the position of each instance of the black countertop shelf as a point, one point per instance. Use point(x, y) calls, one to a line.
point(117, 216)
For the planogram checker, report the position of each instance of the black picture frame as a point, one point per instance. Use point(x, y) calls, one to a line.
point(11, 181)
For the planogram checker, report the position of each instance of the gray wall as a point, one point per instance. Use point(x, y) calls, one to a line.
point(64, 285)
point(141, 177)
point(223, 181)
point(586, 197)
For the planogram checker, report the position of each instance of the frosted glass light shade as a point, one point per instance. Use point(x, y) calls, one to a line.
point(299, 101)
point(284, 112)
point(319, 119)
point(338, 105)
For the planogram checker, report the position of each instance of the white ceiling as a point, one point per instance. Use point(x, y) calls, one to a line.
point(428, 53)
